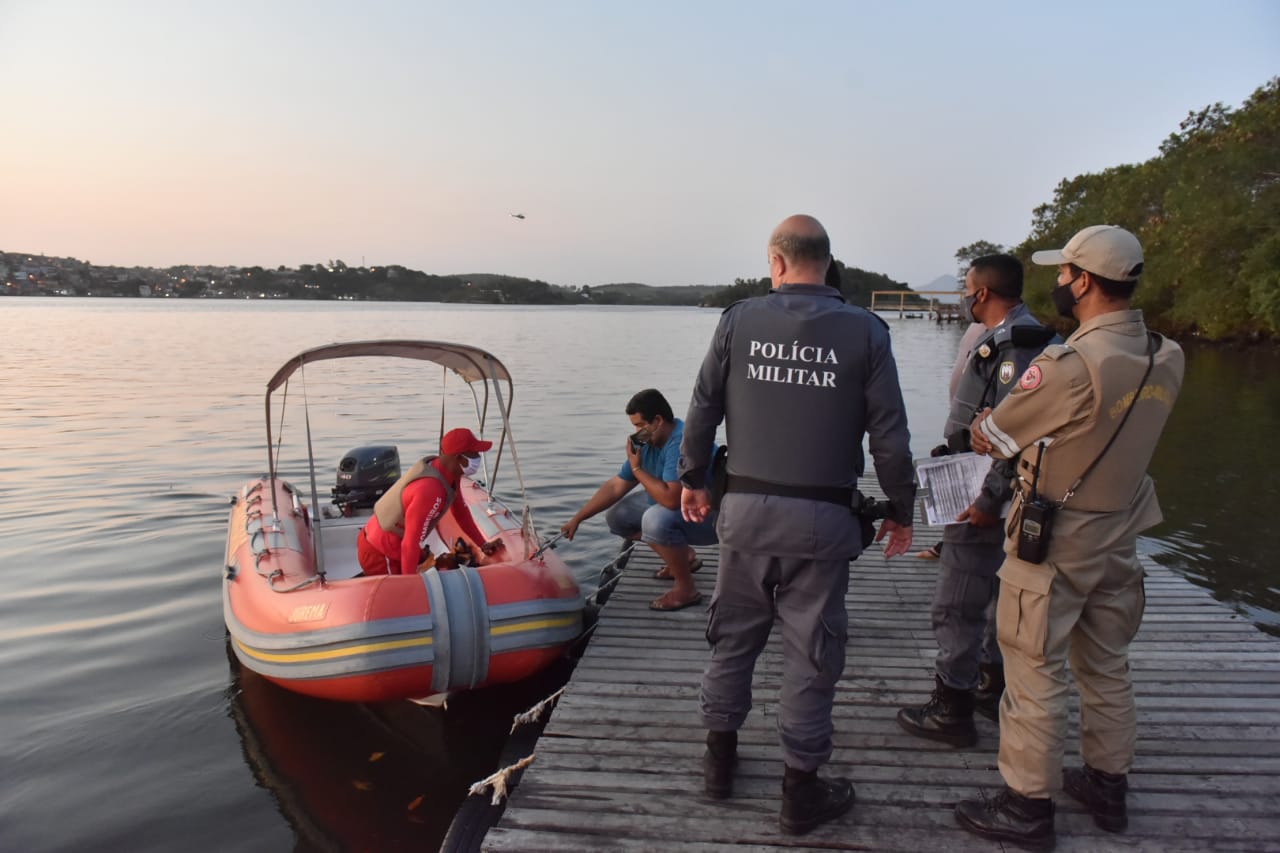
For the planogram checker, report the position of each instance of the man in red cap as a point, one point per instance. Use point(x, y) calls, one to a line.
point(393, 540)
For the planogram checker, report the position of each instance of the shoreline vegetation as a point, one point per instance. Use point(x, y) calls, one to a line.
point(39, 275)
point(1206, 208)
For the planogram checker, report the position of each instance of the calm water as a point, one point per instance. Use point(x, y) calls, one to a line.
point(125, 426)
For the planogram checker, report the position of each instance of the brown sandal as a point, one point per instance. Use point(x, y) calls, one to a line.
point(662, 604)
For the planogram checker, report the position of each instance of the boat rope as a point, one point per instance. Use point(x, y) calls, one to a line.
point(315, 499)
point(530, 530)
point(535, 713)
point(605, 586)
point(271, 582)
point(444, 398)
point(272, 461)
point(499, 780)
point(550, 543)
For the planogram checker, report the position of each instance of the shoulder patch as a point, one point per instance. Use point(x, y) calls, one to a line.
point(1031, 378)
point(1006, 372)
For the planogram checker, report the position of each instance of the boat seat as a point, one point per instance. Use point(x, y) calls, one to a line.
point(339, 536)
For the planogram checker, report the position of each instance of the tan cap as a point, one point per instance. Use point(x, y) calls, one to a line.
point(1105, 250)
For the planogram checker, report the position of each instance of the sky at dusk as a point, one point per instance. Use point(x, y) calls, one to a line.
point(654, 142)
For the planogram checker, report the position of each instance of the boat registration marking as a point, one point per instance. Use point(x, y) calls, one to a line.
point(309, 613)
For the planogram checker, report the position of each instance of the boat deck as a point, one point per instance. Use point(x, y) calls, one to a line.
point(618, 765)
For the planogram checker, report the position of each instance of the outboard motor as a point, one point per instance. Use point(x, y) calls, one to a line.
point(364, 475)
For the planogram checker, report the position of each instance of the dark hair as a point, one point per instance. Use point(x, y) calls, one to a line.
point(1001, 274)
point(1112, 288)
point(833, 278)
point(650, 403)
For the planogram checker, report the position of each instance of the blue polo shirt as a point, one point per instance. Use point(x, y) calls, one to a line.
point(662, 461)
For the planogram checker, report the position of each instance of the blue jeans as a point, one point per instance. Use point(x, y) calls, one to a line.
point(656, 524)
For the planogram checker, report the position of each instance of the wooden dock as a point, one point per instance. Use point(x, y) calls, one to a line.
point(618, 765)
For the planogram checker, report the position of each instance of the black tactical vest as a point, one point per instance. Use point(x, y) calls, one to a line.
point(796, 388)
point(997, 360)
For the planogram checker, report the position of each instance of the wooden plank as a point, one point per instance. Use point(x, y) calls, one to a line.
point(618, 765)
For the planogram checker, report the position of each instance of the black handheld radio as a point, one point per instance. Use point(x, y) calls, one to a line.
point(1036, 525)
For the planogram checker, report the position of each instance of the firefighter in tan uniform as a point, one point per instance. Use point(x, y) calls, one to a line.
point(1088, 414)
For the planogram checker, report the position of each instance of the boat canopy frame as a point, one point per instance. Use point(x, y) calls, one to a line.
point(484, 374)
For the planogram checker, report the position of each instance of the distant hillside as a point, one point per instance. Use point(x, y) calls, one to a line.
point(38, 275)
point(631, 293)
point(944, 282)
point(856, 284)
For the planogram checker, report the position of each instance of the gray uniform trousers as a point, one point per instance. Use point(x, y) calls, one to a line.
point(964, 602)
point(805, 593)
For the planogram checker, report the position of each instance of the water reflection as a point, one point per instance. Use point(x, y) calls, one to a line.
point(381, 777)
point(1216, 474)
point(128, 423)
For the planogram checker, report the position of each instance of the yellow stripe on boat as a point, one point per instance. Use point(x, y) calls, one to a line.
point(332, 654)
point(534, 626)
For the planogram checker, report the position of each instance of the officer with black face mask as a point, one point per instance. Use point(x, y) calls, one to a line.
point(968, 658)
point(1094, 409)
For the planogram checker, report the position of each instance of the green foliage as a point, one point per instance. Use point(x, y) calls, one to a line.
point(1207, 210)
point(742, 288)
point(856, 285)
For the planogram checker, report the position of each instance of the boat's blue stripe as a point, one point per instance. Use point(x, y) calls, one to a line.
point(353, 632)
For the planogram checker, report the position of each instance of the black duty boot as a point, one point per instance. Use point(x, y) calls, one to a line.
point(1101, 793)
point(718, 764)
point(986, 699)
point(1009, 816)
point(808, 801)
point(947, 716)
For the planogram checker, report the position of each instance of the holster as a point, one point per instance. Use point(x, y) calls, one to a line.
point(718, 484)
point(865, 523)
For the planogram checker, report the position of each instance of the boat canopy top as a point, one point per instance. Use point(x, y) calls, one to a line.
point(471, 363)
point(481, 370)
point(484, 374)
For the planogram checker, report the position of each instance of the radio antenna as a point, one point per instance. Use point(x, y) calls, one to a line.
point(1035, 475)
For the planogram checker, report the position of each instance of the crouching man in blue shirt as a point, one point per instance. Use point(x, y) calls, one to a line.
point(653, 514)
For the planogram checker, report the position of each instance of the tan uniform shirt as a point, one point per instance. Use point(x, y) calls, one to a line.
point(1072, 400)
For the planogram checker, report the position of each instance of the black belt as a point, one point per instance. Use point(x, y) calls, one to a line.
point(841, 496)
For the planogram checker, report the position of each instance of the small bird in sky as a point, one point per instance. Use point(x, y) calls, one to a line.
point(517, 215)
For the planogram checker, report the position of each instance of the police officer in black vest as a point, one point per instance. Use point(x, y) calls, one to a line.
point(968, 657)
point(799, 377)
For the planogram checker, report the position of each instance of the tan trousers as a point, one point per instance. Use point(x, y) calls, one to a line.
point(1048, 614)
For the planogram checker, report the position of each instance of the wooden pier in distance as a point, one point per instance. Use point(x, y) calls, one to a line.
point(917, 303)
point(618, 766)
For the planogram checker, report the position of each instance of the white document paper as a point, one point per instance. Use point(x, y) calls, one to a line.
point(950, 484)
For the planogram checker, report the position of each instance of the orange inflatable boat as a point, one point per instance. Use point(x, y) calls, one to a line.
point(300, 613)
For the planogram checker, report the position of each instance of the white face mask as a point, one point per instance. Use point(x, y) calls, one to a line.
point(472, 467)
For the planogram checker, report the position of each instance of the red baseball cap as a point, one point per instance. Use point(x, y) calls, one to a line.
point(462, 440)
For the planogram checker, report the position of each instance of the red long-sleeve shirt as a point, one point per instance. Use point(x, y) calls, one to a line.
point(423, 502)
